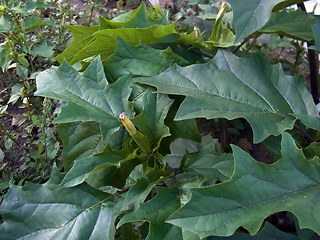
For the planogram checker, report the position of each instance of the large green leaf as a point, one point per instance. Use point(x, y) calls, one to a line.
point(46, 212)
point(255, 191)
point(90, 96)
point(140, 60)
point(137, 18)
point(156, 211)
point(232, 87)
point(81, 37)
point(294, 24)
point(103, 42)
point(250, 15)
point(151, 120)
point(268, 232)
point(79, 140)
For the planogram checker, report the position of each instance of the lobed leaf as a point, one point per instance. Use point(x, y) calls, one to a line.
point(151, 120)
point(294, 24)
point(156, 211)
point(79, 140)
point(268, 232)
point(89, 96)
point(250, 15)
point(137, 18)
point(45, 212)
point(291, 184)
point(140, 60)
point(116, 166)
point(231, 87)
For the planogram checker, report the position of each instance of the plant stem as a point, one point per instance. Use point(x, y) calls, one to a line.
point(304, 133)
point(91, 13)
point(252, 43)
point(4, 130)
point(243, 42)
point(223, 134)
point(313, 66)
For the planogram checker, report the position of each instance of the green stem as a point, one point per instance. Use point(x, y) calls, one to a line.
point(7, 133)
point(91, 13)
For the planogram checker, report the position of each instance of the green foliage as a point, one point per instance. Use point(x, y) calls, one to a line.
point(133, 163)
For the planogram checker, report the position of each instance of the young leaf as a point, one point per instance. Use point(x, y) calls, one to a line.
point(90, 96)
point(291, 184)
point(151, 120)
point(250, 15)
point(81, 37)
point(232, 87)
point(137, 18)
point(156, 211)
point(43, 212)
point(104, 41)
point(294, 24)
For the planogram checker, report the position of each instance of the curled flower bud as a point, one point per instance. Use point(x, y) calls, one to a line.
point(127, 124)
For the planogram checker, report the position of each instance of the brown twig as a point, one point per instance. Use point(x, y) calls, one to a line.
point(252, 43)
point(304, 133)
point(243, 42)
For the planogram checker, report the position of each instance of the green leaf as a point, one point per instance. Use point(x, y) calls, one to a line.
point(138, 18)
point(208, 163)
point(116, 165)
point(312, 150)
point(151, 120)
point(316, 34)
point(180, 146)
point(250, 15)
point(5, 56)
point(140, 60)
point(140, 190)
point(310, 121)
point(79, 140)
point(90, 96)
point(104, 41)
point(265, 100)
point(268, 232)
point(30, 6)
point(156, 211)
point(81, 37)
point(43, 50)
point(291, 184)
point(179, 129)
point(45, 212)
point(33, 22)
point(294, 24)
point(5, 24)
point(285, 4)
point(221, 36)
